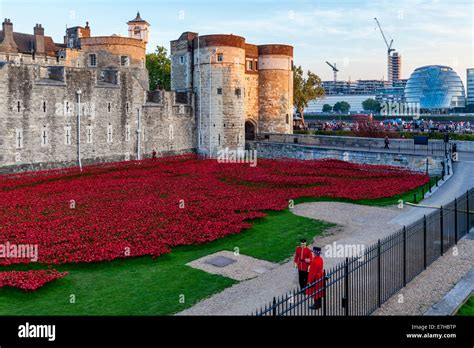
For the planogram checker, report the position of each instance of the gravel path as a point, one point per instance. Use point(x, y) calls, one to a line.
point(431, 285)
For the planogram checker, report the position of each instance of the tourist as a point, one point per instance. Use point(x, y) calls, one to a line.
point(153, 154)
point(303, 258)
point(315, 277)
point(387, 142)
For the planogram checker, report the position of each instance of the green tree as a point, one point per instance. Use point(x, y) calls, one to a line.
point(159, 69)
point(327, 108)
point(371, 105)
point(305, 89)
point(342, 107)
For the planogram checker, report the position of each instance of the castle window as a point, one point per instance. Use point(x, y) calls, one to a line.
point(109, 107)
point(67, 135)
point(44, 106)
point(44, 136)
point(181, 59)
point(92, 60)
point(89, 134)
point(67, 108)
point(127, 107)
point(18, 106)
point(249, 65)
point(127, 132)
point(109, 133)
point(220, 57)
point(108, 77)
point(56, 73)
point(19, 138)
point(219, 90)
point(256, 64)
point(124, 61)
point(238, 92)
point(287, 119)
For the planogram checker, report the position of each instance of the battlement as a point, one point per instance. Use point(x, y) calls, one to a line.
point(112, 40)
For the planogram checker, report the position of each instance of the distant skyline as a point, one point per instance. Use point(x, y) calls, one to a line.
point(342, 32)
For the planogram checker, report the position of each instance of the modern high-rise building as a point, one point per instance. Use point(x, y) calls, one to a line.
point(470, 86)
point(394, 68)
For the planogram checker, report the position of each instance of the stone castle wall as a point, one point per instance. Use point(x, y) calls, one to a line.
point(245, 85)
point(220, 95)
point(39, 118)
point(275, 70)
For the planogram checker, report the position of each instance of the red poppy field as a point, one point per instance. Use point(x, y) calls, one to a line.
point(133, 209)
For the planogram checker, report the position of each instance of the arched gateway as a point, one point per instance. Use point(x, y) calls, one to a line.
point(249, 130)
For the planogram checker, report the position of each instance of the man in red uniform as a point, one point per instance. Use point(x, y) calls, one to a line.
point(316, 269)
point(302, 260)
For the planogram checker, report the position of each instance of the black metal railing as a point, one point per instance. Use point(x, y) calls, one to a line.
point(360, 285)
point(401, 146)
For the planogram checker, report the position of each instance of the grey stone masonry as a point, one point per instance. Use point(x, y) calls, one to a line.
point(39, 114)
point(411, 161)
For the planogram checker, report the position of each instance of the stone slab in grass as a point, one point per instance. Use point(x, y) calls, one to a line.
point(235, 266)
point(220, 261)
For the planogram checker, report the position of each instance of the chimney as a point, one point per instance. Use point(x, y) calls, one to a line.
point(86, 32)
point(8, 44)
point(38, 31)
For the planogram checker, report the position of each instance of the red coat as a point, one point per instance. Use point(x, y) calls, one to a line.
point(303, 257)
point(316, 273)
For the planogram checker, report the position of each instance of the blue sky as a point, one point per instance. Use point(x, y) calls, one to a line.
point(340, 31)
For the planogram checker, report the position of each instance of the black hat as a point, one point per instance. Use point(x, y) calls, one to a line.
point(303, 240)
point(316, 250)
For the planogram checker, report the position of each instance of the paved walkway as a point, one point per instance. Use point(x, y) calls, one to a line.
point(458, 184)
point(356, 225)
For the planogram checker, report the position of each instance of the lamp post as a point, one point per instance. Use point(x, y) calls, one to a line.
point(138, 135)
point(79, 92)
point(200, 99)
point(214, 52)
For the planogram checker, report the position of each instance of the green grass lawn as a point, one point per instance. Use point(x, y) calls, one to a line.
point(467, 308)
point(143, 286)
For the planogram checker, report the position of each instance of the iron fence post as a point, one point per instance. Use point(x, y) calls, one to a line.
point(455, 221)
point(274, 307)
point(424, 241)
point(467, 212)
point(324, 293)
point(379, 285)
point(346, 285)
point(404, 256)
point(441, 232)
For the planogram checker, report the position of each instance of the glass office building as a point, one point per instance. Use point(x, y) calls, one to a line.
point(470, 86)
point(435, 88)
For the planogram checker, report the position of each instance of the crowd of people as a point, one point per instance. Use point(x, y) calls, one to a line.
point(461, 127)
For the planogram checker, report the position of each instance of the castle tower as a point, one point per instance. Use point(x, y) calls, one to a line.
point(138, 28)
point(219, 83)
point(275, 89)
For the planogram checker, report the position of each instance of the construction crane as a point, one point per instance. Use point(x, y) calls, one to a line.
point(335, 70)
point(389, 48)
